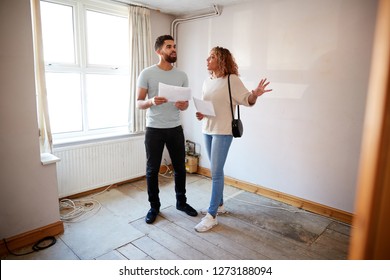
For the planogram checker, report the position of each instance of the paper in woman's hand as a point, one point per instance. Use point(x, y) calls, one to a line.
point(204, 106)
point(174, 93)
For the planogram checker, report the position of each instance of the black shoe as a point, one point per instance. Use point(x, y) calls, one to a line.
point(151, 216)
point(187, 209)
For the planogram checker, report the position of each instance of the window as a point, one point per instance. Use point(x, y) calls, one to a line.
point(86, 54)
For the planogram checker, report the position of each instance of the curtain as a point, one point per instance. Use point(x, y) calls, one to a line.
point(45, 135)
point(140, 58)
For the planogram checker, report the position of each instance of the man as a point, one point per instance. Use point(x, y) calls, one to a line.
point(163, 126)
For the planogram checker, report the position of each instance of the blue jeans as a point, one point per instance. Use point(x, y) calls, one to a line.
point(155, 140)
point(217, 147)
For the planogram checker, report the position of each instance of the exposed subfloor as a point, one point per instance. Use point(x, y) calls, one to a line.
point(255, 228)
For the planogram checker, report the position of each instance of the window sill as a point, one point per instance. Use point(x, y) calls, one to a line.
point(47, 158)
point(65, 142)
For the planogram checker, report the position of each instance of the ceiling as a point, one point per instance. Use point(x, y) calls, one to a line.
point(183, 7)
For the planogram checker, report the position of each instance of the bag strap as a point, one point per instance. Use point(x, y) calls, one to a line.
point(231, 104)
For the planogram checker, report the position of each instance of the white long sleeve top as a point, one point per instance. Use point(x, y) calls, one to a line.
point(216, 90)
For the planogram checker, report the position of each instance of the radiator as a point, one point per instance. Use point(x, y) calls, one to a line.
point(89, 166)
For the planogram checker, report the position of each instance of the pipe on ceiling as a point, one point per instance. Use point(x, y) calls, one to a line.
point(175, 23)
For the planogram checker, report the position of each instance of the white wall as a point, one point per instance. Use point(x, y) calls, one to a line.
point(161, 25)
point(28, 194)
point(304, 138)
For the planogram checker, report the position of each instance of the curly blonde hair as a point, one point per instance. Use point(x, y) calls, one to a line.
point(227, 63)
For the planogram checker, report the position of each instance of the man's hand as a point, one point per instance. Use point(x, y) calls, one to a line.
point(158, 100)
point(181, 105)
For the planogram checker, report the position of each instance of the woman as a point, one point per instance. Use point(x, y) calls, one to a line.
point(217, 129)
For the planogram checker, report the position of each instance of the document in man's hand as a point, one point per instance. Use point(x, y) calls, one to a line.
point(174, 93)
point(204, 106)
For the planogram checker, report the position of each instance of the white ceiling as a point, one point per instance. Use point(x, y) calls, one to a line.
point(184, 7)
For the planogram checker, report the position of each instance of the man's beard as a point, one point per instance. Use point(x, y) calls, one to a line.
point(170, 59)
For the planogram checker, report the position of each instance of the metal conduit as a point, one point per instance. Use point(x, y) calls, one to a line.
point(177, 21)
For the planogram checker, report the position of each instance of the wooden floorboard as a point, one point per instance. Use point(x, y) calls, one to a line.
point(212, 236)
point(154, 249)
point(169, 241)
point(131, 252)
point(267, 243)
point(192, 239)
point(331, 245)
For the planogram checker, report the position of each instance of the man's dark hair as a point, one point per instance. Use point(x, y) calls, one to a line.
point(160, 41)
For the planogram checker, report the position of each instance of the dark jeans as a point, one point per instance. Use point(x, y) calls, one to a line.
point(155, 140)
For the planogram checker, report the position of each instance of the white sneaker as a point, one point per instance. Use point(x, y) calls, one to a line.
point(206, 223)
point(221, 210)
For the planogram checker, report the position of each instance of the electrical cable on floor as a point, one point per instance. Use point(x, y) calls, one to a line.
point(78, 210)
point(38, 246)
point(233, 196)
point(168, 172)
point(81, 209)
point(103, 191)
point(261, 205)
point(282, 208)
point(272, 207)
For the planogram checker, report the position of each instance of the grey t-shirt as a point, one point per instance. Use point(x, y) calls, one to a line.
point(165, 115)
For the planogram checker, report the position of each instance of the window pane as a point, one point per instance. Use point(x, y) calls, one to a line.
point(57, 32)
point(107, 39)
point(64, 98)
point(108, 99)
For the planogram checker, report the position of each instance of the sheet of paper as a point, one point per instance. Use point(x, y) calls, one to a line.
point(174, 93)
point(205, 107)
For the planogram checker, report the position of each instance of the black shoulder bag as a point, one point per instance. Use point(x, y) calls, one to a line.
point(237, 128)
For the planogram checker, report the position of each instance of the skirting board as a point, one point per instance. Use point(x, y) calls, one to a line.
point(30, 237)
point(307, 205)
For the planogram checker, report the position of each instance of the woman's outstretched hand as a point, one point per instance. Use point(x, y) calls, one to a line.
point(261, 88)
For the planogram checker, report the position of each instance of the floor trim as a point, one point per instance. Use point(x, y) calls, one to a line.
point(301, 203)
point(31, 237)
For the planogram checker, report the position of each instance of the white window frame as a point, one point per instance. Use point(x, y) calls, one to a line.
point(81, 66)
